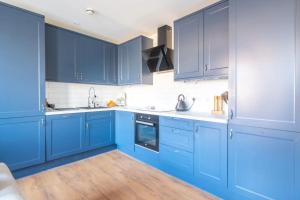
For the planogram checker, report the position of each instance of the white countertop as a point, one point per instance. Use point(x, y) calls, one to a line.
point(185, 115)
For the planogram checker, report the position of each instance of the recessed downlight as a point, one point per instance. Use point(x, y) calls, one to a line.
point(90, 11)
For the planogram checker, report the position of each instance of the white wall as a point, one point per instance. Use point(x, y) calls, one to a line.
point(162, 94)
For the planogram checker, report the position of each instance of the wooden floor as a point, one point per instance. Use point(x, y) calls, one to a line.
point(110, 176)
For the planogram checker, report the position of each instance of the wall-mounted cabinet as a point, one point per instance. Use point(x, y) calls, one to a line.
point(76, 58)
point(132, 68)
point(201, 44)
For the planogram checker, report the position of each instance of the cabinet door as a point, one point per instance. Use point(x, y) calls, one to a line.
point(216, 40)
point(264, 63)
point(22, 142)
point(65, 135)
point(263, 163)
point(60, 55)
point(188, 47)
point(22, 63)
point(100, 132)
point(134, 60)
point(90, 60)
point(111, 63)
point(123, 71)
point(125, 131)
point(210, 157)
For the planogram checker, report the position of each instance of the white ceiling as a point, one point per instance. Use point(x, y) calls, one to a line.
point(114, 20)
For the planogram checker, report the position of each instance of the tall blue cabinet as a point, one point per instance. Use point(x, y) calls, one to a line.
point(264, 126)
point(22, 65)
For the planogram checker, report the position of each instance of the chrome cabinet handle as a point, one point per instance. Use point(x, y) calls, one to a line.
point(87, 125)
point(206, 67)
point(231, 114)
point(230, 134)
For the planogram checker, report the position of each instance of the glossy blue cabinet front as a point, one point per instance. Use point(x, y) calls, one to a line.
point(65, 135)
point(125, 131)
point(100, 129)
point(22, 63)
point(263, 163)
point(22, 141)
point(210, 157)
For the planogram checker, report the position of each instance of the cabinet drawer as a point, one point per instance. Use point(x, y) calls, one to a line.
point(184, 124)
point(97, 115)
point(175, 160)
point(177, 138)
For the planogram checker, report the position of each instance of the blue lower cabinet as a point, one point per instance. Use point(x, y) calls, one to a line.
point(99, 129)
point(147, 156)
point(210, 157)
point(125, 131)
point(263, 164)
point(22, 142)
point(65, 135)
point(176, 161)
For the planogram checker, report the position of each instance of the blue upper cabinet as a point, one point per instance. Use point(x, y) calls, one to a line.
point(216, 40)
point(111, 64)
point(22, 141)
point(75, 58)
point(210, 157)
point(99, 129)
point(264, 63)
point(132, 69)
point(201, 44)
point(263, 164)
point(90, 60)
point(124, 124)
point(188, 45)
point(22, 63)
point(65, 135)
point(60, 55)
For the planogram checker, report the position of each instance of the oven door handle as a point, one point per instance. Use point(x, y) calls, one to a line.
point(144, 123)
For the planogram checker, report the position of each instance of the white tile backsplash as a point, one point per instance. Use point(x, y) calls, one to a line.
point(162, 94)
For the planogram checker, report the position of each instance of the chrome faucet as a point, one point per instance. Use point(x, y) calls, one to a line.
point(91, 98)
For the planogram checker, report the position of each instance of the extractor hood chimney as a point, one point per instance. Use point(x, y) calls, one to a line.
point(160, 58)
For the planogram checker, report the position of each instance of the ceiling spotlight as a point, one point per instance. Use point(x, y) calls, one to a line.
point(89, 11)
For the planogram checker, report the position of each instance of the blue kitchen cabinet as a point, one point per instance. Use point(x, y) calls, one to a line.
point(125, 130)
point(188, 47)
point(22, 63)
point(65, 135)
point(111, 64)
point(264, 63)
point(201, 42)
point(216, 40)
point(176, 146)
point(132, 68)
point(60, 54)
point(90, 60)
point(22, 142)
point(210, 157)
point(263, 163)
point(99, 129)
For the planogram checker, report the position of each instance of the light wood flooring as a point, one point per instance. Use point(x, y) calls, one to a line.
point(110, 176)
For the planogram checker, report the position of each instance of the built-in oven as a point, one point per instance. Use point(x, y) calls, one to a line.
point(147, 131)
